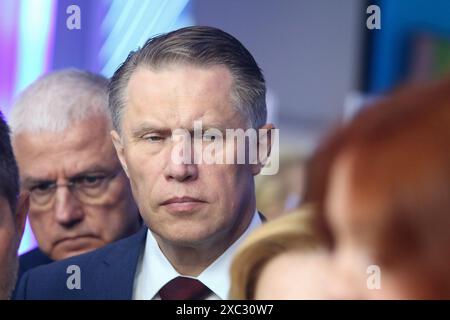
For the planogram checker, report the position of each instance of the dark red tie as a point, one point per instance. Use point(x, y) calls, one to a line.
point(182, 288)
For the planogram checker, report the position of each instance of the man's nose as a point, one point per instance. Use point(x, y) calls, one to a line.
point(180, 170)
point(67, 209)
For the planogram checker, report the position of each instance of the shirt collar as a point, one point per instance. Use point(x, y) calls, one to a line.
point(154, 270)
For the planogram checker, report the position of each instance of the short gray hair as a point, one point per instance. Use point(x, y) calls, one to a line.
point(199, 46)
point(57, 100)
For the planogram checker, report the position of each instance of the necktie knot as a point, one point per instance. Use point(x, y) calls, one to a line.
point(183, 288)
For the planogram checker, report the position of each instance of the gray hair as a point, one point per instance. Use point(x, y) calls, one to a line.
point(199, 46)
point(57, 100)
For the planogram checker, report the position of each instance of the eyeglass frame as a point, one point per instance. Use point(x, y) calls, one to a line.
point(72, 186)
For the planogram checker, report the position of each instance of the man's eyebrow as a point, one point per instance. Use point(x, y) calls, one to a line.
point(209, 125)
point(32, 181)
point(221, 128)
point(192, 132)
point(91, 170)
point(28, 182)
point(146, 128)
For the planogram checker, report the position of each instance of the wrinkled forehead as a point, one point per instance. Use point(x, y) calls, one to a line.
point(175, 96)
point(84, 146)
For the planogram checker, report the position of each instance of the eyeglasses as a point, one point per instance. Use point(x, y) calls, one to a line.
point(87, 189)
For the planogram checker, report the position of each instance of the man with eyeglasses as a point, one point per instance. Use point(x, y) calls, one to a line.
point(80, 198)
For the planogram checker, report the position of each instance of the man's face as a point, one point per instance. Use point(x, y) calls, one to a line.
point(186, 204)
point(96, 208)
point(11, 227)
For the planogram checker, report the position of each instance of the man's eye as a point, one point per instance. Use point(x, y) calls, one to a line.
point(42, 188)
point(209, 137)
point(153, 138)
point(90, 181)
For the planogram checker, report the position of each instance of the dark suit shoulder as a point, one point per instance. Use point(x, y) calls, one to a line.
point(32, 259)
point(98, 269)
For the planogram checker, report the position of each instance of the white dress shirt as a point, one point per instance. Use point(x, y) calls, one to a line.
point(154, 270)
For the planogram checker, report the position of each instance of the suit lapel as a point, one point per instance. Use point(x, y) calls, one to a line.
point(119, 268)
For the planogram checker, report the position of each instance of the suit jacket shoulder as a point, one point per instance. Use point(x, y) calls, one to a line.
point(32, 259)
point(106, 273)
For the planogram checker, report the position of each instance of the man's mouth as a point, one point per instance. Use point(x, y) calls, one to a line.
point(182, 204)
point(74, 239)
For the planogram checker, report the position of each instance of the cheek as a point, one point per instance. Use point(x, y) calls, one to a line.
point(41, 223)
point(118, 195)
point(228, 181)
point(112, 223)
point(145, 170)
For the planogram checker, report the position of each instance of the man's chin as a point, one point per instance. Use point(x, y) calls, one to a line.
point(190, 239)
point(74, 253)
point(71, 249)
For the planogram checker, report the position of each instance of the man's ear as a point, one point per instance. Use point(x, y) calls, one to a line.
point(117, 141)
point(23, 205)
point(264, 147)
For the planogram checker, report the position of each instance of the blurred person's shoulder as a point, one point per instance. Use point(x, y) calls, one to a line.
point(105, 273)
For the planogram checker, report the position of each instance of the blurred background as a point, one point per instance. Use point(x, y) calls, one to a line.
point(321, 61)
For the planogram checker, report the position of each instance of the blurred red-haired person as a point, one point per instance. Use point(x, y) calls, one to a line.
point(382, 188)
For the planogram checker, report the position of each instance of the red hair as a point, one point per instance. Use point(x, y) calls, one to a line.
point(400, 171)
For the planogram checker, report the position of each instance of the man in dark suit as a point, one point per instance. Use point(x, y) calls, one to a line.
point(13, 211)
point(80, 198)
point(178, 105)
